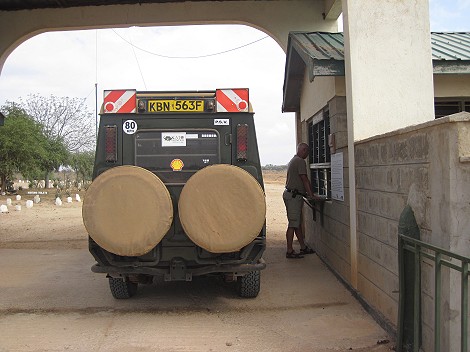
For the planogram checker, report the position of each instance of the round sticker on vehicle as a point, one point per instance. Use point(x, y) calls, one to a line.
point(177, 164)
point(129, 126)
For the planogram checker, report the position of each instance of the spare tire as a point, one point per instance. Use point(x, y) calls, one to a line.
point(127, 210)
point(222, 208)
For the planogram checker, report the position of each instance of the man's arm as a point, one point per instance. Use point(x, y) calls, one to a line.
point(307, 186)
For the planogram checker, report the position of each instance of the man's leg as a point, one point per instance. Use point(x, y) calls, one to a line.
point(300, 236)
point(290, 239)
point(304, 249)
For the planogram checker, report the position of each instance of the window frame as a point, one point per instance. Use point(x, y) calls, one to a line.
point(319, 129)
point(459, 103)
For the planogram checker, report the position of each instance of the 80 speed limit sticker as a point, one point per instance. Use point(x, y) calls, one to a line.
point(129, 127)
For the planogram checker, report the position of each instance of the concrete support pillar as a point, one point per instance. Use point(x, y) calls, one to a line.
point(388, 76)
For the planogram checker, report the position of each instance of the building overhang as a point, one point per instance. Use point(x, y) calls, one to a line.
point(322, 54)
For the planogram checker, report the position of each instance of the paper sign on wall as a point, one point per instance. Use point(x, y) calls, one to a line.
point(337, 186)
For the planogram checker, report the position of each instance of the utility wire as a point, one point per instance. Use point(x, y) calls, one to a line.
point(136, 59)
point(188, 57)
point(91, 91)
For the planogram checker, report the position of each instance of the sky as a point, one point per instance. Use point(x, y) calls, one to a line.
point(70, 63)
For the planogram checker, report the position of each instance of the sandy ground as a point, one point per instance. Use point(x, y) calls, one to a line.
point(50, 300)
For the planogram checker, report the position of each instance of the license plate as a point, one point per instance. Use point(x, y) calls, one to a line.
point(175, 106)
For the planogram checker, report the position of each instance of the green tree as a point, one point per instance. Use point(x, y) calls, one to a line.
point(67, 124)
point(82, 165)
point(63, 118)
point(22, 144)
point(56, 155)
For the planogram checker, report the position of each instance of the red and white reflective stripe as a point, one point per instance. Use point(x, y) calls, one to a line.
point(232, 100)
point(119, 101)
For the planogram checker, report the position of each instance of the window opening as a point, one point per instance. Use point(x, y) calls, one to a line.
point(320, 158)
point(451, 106)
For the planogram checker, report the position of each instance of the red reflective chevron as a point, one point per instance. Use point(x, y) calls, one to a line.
point(119, 101)
point(232, 100)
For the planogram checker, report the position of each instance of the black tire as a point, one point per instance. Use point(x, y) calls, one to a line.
point(248, 286)
point(122, 289)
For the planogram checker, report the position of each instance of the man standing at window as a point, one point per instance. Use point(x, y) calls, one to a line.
point(297, 186)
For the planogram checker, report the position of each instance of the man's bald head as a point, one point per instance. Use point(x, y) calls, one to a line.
point(302, 150)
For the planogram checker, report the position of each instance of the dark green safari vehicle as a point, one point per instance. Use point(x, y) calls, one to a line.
point(177, 190)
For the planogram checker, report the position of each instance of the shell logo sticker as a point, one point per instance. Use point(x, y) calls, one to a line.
point(177, 164)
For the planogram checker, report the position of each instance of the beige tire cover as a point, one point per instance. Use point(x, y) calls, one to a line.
point(127, 210)
point(222, 208)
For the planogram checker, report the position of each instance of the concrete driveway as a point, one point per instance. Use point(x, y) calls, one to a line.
point(51, 301)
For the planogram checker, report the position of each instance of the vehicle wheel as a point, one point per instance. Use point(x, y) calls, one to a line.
point(122, 289)
point(248, 286)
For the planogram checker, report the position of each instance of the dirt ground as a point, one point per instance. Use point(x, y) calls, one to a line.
point(50, 300)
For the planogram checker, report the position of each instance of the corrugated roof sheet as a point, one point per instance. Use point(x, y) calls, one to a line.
point(450, 46)
point(323, 55)
point(321, 45)
point(330, 46)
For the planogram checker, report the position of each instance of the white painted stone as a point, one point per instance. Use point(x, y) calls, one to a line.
point(29, 204)
point(18, 207)
point(18, 197)
point(58, 201)
point(69, 199)
point(3, 208)
point(36, 199)
point(8, 201)
point(417, 202)
point(77, 198)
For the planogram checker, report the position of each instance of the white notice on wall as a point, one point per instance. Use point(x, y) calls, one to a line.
point(173, 139)
point(337, 186)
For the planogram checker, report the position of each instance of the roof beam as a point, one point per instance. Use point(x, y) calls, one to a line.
point(325, 68)
point(332, 10)
point(451, 67)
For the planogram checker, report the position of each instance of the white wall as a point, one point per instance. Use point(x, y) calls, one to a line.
point(451, 86)
point(316, 95)
point(276, 18)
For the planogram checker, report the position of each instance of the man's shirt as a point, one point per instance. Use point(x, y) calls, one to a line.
point(295, 168)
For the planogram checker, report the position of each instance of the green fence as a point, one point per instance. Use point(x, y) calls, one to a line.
point(410, 254)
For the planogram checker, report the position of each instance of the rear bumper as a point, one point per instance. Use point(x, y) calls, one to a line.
point(189, 272)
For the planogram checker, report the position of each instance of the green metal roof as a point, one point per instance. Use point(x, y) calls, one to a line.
point(330, 46)
point(450, 46)
point(322, 54)
point(319, 45)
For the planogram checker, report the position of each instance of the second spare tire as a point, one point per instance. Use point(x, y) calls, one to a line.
point(222, 208)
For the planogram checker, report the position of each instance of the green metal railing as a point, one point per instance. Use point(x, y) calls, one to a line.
point(418, 250)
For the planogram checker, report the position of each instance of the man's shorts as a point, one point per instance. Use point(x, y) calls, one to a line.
point(293, 207)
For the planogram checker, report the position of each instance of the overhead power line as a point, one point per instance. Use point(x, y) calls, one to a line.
point(138, 64)
point(189, 57)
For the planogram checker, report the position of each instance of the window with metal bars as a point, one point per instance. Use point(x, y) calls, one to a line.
point(320, 158)
point(450, 106)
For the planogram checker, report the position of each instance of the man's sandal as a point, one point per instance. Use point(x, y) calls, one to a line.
point(306, 250)
point(294, 255)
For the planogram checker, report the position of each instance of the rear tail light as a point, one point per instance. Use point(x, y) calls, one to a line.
point(110, 136)
point(242, 142)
